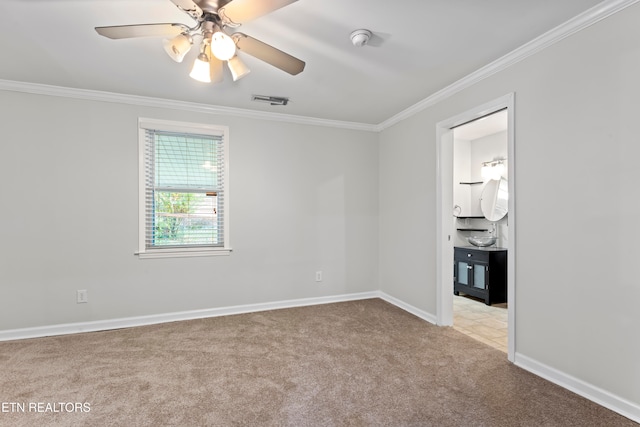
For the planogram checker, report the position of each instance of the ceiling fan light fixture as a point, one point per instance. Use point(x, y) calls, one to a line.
point(238, 68)
point(200, 70)
point(216, 47)
point(178, 46)
point(222, 46)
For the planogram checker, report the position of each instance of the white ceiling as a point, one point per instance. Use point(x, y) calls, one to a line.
point(419, 47)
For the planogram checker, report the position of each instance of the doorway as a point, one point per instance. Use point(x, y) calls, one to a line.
point(446, 234)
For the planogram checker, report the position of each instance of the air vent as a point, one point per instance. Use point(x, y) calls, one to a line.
point(273, 100)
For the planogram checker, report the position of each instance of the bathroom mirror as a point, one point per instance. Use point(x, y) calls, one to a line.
point(494, 201)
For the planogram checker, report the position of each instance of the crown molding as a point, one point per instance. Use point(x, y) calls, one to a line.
point(95, 95)
point(572, 26)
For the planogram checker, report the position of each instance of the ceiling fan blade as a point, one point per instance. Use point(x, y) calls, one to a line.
point(141, 30)
point(189, 7)
point(268, 54)
point(216, 66)
point(241, 11)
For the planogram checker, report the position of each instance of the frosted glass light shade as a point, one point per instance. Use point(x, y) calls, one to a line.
point(238, 68)
point(222, 46)
point(178, 46)
point(200, 70)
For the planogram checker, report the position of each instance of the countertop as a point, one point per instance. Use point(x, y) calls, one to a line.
point(478, 248)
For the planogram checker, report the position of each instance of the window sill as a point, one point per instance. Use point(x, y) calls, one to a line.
point(183, 253)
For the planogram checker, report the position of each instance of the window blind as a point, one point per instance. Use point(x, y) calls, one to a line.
point(184, 189)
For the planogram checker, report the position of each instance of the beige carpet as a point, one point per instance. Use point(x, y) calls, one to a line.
point(362, 363)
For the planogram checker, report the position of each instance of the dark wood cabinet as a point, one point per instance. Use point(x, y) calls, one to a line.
point(481, 272)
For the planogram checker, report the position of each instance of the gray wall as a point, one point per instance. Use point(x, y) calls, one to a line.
point(576, 169)
point(303, 198)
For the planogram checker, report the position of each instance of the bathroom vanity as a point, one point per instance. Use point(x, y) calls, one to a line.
point(481, 272)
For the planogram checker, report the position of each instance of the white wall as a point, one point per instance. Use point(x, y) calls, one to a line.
point(576, 156)
point(462, 173)
point(303, 198)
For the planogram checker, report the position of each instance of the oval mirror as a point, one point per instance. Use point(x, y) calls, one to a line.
point(494, 201)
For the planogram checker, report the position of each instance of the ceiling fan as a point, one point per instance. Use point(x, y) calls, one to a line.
point(217, 46)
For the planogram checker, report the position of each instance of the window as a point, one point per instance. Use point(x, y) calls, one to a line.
point(183, 189)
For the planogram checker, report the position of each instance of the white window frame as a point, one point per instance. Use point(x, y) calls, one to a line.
point(187, 128)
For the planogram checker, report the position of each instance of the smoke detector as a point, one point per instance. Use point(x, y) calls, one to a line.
point(360, 37)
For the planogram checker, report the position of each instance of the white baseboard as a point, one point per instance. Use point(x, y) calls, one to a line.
point(128, 322)
point(409, 308)
point(582, 388)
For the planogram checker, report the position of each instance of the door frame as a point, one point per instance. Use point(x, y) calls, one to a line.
point(444, 215)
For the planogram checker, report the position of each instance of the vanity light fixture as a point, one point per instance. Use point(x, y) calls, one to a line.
point(493, 169)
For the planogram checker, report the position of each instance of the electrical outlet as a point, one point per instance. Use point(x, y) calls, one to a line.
point(318, 276)
point(82, 296)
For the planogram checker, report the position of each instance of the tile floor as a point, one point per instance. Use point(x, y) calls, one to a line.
point(485, 323)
